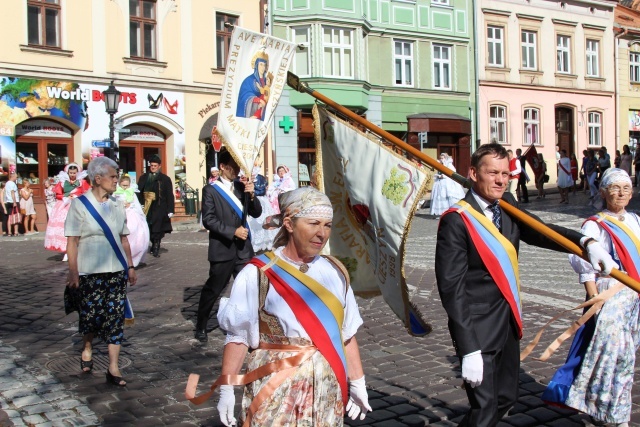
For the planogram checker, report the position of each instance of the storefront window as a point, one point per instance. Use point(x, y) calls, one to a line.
point(306, 160)
point(27, 162)
point(57, 158)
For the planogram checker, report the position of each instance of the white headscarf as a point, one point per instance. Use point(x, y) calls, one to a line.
point(614, 175)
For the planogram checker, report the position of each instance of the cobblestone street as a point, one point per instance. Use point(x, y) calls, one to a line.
point(411, 381)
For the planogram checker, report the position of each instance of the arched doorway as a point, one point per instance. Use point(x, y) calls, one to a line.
point(43, 149)
point(564, 129)
point(137, 145)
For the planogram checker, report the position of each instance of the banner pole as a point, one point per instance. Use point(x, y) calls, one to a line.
point(294, 82)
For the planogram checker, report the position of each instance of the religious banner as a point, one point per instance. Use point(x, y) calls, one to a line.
point(374, 192)
point(255, 77)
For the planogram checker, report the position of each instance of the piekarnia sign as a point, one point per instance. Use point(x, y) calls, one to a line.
point(256, 75)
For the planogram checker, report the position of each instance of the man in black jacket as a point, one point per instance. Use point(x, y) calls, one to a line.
point(156, 197)
point(229, 240)
point(523, 193)
point(484, 319)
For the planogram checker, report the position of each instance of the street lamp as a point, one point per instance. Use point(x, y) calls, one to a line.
point(111, 102)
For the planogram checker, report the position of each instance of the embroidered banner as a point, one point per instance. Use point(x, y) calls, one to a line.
point(255, 77)
point(374, 193)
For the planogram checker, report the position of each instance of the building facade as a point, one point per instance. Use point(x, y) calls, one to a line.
point(547, 75)
point(387, 60)
point(166, 57)
point(627, 29)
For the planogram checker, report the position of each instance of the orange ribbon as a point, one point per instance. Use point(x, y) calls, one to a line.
point(283, 368)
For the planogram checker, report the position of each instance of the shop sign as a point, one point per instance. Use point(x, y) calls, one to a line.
point(43, 128)
point(634, 120)
point(6, 130)
point(143, 133)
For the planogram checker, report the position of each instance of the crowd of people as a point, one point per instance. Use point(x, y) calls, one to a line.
point(291, 312)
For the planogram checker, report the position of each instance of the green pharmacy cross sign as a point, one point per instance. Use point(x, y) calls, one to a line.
point(286, 124)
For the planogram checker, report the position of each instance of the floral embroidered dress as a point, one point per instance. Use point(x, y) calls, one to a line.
point(311, 396)
point(602, 382)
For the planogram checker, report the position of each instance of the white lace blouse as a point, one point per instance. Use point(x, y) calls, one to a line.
point(592, 229)
point(238, 315)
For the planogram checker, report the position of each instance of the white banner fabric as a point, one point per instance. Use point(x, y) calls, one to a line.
point(255, 77)
point(374, 192)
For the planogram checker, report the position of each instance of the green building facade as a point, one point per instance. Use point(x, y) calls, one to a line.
point(408, 66)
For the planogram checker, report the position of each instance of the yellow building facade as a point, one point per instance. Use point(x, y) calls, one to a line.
point(166, 57)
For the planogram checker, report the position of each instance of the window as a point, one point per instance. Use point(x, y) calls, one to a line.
point(563, 51)
point(302, 58)
point(43, 22)
point(441, 66)
point(498, 124)
point(495, 45)
point(634, 67)
point(531, 126)
point(223, 37)
point(403, 55)
point(142, 29)
point(593, 53)
point(337, 52)
point(528, 43)
point(595, 128)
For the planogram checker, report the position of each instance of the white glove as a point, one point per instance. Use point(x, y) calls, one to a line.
point(225, 405)
point(598, 256)
point(170, 215)
point(472, 367)
point(358, 399)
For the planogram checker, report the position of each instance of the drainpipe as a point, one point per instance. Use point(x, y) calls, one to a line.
point(616, 58)
point(476, 136)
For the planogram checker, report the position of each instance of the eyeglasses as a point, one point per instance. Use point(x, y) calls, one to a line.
point(620, 190)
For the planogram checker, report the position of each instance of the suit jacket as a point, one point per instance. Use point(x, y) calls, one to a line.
point(222, 221)
point(157, 217)
point(478, 314)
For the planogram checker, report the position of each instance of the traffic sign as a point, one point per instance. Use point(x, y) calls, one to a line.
point(101, 143)
point(215, 140)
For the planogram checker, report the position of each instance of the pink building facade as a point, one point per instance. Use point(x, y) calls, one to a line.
point(547, 76)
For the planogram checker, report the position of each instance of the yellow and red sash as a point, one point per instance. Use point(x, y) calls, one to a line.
point(624, 240)
point(497, 253)
point(317, 309)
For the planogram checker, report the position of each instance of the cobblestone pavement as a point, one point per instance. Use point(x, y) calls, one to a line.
point(411, 381)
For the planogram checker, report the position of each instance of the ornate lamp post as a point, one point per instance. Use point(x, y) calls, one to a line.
point(111, 102)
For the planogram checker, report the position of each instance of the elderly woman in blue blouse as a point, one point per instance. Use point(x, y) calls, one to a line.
point(598, 375)
point(100, 263)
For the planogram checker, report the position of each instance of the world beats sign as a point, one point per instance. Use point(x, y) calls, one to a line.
point(125, 97)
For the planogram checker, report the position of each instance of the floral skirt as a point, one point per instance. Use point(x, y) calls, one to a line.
point(102, 303)
point(309, 397)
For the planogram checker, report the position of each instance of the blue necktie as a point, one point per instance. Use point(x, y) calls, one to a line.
point(497, 215)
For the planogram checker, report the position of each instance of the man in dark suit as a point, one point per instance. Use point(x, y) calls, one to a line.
point(483, 327)
point(229, 241)
point(523, 193)
point(156, 197)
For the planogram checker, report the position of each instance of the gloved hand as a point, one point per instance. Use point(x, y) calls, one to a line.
point(225, 405)
point(472, 368)
point(598, 256)
point(358, 399)
point(170, 215)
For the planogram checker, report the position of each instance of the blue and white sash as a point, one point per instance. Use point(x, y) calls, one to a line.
point(128, 310)
point(232, 201)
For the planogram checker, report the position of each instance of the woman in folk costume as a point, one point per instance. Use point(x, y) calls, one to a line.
point(282, 182)
point(598, 375)
point(136, 219)
point(71, 184)
point(445, 191)
point(296, 311)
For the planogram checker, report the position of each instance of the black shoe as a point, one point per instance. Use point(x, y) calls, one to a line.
point(155, 248)
point(201, 335)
